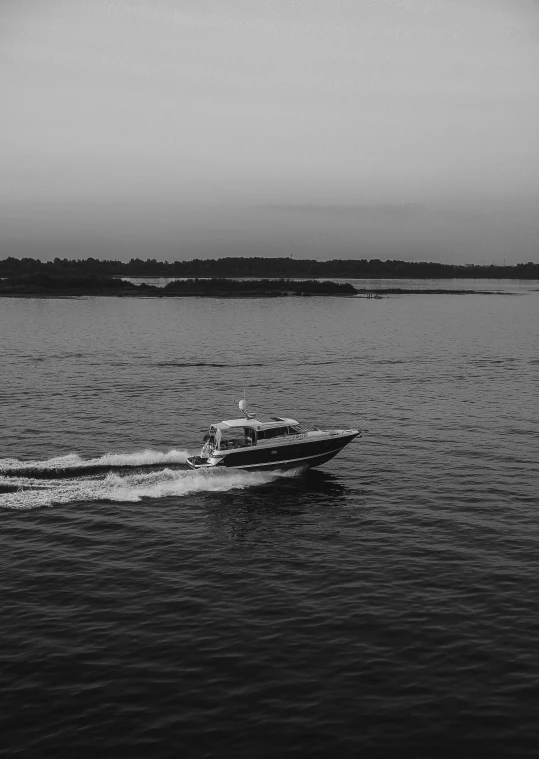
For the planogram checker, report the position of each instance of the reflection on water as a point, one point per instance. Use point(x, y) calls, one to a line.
point(262, 513)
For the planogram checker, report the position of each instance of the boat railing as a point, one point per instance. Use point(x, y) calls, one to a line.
point(361, 426)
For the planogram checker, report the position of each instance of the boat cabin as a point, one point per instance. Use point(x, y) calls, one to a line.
point(239, 433)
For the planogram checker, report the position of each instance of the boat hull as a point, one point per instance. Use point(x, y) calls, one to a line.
point(306, 454)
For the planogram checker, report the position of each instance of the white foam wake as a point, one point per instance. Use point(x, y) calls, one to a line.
point(148, 457)
point(130, 488)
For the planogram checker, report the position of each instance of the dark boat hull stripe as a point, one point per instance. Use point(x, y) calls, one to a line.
point(310, 461)
point(299, 454)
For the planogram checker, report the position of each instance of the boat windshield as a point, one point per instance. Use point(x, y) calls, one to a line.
point(237, 437)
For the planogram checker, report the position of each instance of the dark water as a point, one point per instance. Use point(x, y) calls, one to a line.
point(387, 604)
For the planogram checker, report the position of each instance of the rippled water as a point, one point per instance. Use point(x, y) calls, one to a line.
point(385, 604)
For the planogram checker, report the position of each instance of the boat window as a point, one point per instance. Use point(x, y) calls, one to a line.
point(249, 436)
point(271, 433)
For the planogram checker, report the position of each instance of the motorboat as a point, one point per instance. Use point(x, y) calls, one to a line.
point(274, 442)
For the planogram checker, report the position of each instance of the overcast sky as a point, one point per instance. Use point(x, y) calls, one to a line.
point(318, 128)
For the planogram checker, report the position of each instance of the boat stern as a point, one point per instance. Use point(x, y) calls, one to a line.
point(197, 462)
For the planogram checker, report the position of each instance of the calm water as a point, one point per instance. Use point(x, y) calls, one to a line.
point(386, 604)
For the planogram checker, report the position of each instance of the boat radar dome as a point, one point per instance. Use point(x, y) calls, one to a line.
point(243, 408)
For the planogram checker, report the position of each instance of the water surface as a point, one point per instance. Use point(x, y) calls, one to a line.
point(385, 604)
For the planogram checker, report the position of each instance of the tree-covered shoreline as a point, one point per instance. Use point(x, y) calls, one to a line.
point(66, 285)
point(263, 268)
point(45, 285)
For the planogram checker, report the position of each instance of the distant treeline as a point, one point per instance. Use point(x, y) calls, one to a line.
point(263, 267)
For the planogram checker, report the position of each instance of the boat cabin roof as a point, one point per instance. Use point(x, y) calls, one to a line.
point(256, 424)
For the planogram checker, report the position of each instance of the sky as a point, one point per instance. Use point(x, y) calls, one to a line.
point(176, 129)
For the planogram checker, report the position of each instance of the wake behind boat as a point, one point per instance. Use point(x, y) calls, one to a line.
point(268, 443)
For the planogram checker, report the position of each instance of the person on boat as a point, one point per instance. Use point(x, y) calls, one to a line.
point(207, 449)
point(218, 438)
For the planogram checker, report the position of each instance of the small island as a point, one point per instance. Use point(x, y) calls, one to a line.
point(45, 285)
point(65, 286)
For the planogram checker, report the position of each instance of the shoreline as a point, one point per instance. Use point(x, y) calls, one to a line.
point(42, 285)
point(361, 294)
